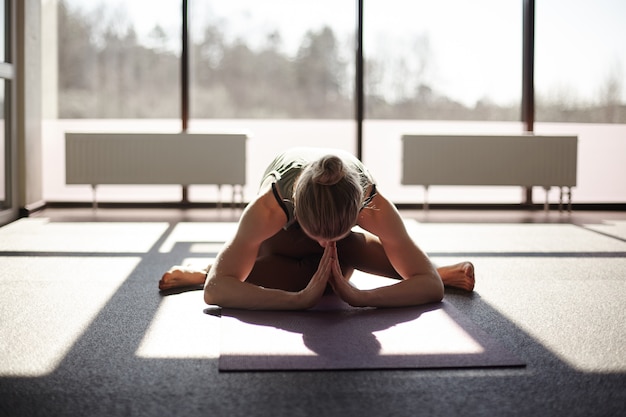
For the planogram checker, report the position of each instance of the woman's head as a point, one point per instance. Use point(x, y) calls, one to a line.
point(328, 196)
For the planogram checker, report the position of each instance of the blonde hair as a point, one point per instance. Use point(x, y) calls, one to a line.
point(328, 197)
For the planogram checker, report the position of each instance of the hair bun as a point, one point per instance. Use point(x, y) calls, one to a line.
point(329, 170)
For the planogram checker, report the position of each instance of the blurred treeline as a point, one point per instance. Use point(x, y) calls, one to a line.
point(106, 72)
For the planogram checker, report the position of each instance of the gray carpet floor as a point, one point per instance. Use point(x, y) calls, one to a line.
point(84, 331)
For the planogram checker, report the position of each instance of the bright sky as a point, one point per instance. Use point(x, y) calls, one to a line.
point(473, 48)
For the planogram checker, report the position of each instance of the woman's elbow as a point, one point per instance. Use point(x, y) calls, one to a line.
point(211, 292)
point(436, 289)
point(438, 295)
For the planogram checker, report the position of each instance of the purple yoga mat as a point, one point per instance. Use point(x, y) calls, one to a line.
point(336, 336)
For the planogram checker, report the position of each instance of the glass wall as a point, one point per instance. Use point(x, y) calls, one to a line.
point(119, 59)
point(443, 60)
point(283, 71)
point(580, 84)
point(276, 60)
point(118, 70)
point(580, 69)
point(449, 66)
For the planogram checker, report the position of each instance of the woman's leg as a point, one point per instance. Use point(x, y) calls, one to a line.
point(270, 271)
point(289, 259)
point(282, 272)
point(286, 261)
point(363, 251)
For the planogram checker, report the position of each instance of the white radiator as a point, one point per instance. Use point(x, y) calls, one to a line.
point(518, 160)
point(146, 158)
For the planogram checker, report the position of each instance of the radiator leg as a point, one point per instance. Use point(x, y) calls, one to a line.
point(239, 189)
point(569, 199)
point(94, 201)
point(219, 196)
point(560, 199)
point(426, 197)
point(184, 196)
point(546, 206)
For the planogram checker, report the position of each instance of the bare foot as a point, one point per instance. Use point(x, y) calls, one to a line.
point(182, 276)
point(460, 276)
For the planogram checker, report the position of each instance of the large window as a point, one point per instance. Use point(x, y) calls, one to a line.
point(448, 66)
point(276, 60)
point(119, 59)
point(284, 71)
point(443, 60)
point(580, 84)
point(581, 61)
point(117, 69)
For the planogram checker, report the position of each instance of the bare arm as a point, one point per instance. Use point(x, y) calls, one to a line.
point(421, 283)
point(225, 285)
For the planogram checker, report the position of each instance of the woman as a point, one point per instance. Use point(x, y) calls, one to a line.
point(295, 239)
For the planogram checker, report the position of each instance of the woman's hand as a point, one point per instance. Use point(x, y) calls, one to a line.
point(310, 295)
point(342, 286)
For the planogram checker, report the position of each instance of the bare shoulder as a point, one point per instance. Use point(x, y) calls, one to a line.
point(262, 218)
point(381, 218)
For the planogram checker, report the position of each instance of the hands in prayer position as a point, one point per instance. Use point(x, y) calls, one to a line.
point(329, 273)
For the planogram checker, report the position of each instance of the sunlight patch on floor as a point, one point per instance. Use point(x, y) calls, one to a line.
point(198, 232)
point(615, 228)
point(42, 235)
point(180, 329)
point(510, 238)
point(47, 303)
